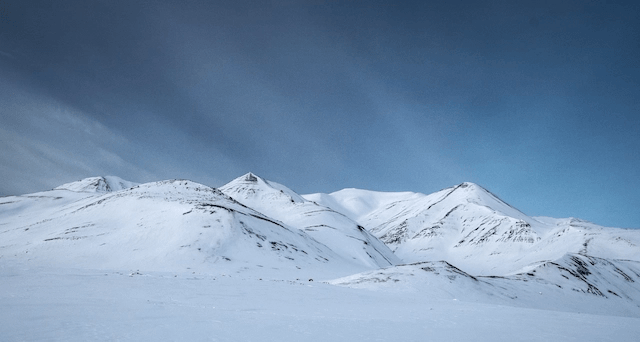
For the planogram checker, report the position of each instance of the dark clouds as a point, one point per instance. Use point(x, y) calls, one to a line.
point(537, 101)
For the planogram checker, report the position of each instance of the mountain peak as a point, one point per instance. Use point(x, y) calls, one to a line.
point(249, 178)
point(100, 184)
point(479, 194)
point(469, 186)
point(251, 185)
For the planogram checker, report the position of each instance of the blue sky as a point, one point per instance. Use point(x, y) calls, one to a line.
point(537, 101)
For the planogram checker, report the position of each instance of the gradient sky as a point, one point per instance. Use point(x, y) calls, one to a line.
point(537, 101)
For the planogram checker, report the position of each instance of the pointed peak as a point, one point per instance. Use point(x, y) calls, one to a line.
point(473, 188)
point(250, 177)
point(250, 185)
point(468, 188)
point(480, 195)
point(470, 185)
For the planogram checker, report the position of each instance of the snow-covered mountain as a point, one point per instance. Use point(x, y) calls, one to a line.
point(462, 242)
point(168, 225)
point(329, 227)
point(473, 229)
point(465, 225)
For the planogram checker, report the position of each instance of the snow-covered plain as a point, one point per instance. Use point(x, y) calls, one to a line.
point(71, 304)
point(107, 259)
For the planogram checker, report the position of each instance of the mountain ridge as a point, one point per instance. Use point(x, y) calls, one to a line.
point(461, 239)
point(403, 219)
point(98, 184)
point(473, 228)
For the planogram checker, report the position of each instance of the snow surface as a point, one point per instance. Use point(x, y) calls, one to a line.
point(80, 305)
point(107, 259)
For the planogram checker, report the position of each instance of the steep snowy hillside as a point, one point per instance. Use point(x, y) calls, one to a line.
point(169, 225)
point(473, 229)
point(325, 225)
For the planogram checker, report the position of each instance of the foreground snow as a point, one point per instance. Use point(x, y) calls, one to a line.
point(81, 305)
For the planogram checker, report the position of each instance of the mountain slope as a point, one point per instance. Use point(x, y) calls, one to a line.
point(475, 230)
point(325, 225)
point(169, 225)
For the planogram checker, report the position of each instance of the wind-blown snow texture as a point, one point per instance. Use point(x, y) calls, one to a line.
point(295, 263)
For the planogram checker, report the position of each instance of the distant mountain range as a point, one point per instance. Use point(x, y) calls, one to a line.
point(462, 241)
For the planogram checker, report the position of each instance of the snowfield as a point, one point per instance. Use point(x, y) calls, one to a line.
point(69, 304)
point(108, 259)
